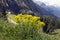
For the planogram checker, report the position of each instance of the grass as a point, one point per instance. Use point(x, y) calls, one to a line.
point(9, 31)
point(57, 32)
point(13, 32)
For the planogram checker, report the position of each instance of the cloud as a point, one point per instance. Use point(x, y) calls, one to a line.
point(50, 2)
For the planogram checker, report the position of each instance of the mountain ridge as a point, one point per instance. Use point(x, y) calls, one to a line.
point(20, 5)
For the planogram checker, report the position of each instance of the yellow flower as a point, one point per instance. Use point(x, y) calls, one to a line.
point(28, 16)
point(28, 19)
point(35, 18)
point(41, 24)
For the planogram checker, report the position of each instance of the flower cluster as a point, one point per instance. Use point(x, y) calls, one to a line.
point(20, 18)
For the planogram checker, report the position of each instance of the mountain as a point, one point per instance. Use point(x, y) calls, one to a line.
point(17, 6)
point(54, 10)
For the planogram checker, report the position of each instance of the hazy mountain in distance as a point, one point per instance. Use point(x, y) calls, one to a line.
point(55, 10)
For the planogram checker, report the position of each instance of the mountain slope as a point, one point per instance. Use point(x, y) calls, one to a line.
point(17, 6)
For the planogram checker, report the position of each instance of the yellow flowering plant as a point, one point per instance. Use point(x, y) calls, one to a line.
point(25, 19)
point(26, 26)
point(28, 19)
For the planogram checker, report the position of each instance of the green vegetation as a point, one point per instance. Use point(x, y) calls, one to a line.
point(50, 24)
point(25, 30)
point(29, 19)
point(16, 32)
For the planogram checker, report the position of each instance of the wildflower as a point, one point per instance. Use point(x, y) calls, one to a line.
point(28, 19)
point(34, 18)
point(41, 23)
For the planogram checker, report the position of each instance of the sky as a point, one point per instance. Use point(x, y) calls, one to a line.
point(50, 2)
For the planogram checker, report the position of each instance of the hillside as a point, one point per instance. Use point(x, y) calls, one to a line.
point(25, 5)
point(28, 20)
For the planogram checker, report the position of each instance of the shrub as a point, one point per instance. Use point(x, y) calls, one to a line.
point(50, 24)
point(1, 15)
point(28, 19)
point(16, 32)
